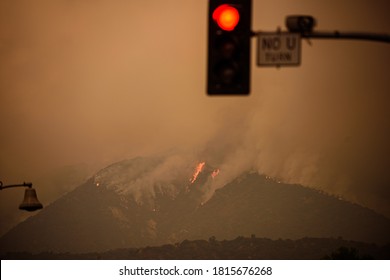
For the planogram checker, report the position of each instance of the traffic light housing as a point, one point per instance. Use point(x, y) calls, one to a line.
point(228, 70)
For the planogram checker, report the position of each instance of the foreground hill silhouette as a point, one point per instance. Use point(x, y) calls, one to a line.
point(110, 211)
point(240, 248)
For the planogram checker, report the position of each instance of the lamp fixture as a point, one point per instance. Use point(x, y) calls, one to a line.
point(30, 202)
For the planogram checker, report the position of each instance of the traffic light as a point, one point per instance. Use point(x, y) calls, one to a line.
point(228, 70)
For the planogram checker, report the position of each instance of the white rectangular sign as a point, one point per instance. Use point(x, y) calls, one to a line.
point(278, 49)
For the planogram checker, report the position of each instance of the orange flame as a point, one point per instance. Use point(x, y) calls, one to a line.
point(215, 173)
point(198, 169)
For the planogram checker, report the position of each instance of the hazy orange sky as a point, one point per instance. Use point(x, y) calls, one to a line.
point(93, 82)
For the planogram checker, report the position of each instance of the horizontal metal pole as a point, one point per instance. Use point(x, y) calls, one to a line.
point(385, 38)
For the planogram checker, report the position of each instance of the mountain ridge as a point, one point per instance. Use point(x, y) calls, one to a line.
point(134, 204)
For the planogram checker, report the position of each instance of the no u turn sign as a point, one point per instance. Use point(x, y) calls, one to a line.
point(278, 49)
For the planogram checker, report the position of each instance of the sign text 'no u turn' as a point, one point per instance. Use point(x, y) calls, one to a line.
point(279, 49)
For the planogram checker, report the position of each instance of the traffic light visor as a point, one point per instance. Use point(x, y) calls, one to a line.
point(226, 16)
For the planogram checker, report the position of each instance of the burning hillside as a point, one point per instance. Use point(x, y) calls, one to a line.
point(154, 201)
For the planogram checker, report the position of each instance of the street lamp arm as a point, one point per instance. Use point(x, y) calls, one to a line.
point(30, 201)
point(15, 185)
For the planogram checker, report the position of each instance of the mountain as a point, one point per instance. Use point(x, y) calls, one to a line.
point(150, 202)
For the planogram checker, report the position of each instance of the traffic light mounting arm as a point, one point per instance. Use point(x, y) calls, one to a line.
point(305, 24)
point(384, 38)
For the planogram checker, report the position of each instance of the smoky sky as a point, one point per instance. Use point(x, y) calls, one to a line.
point(93, 82)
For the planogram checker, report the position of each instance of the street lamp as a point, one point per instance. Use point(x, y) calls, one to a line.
point(30, 201)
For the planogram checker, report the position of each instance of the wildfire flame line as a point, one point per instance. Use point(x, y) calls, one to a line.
point(215, 173)
point(198, 169)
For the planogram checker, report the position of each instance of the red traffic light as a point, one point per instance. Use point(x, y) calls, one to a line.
point(226, 16)
point(229, 41)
